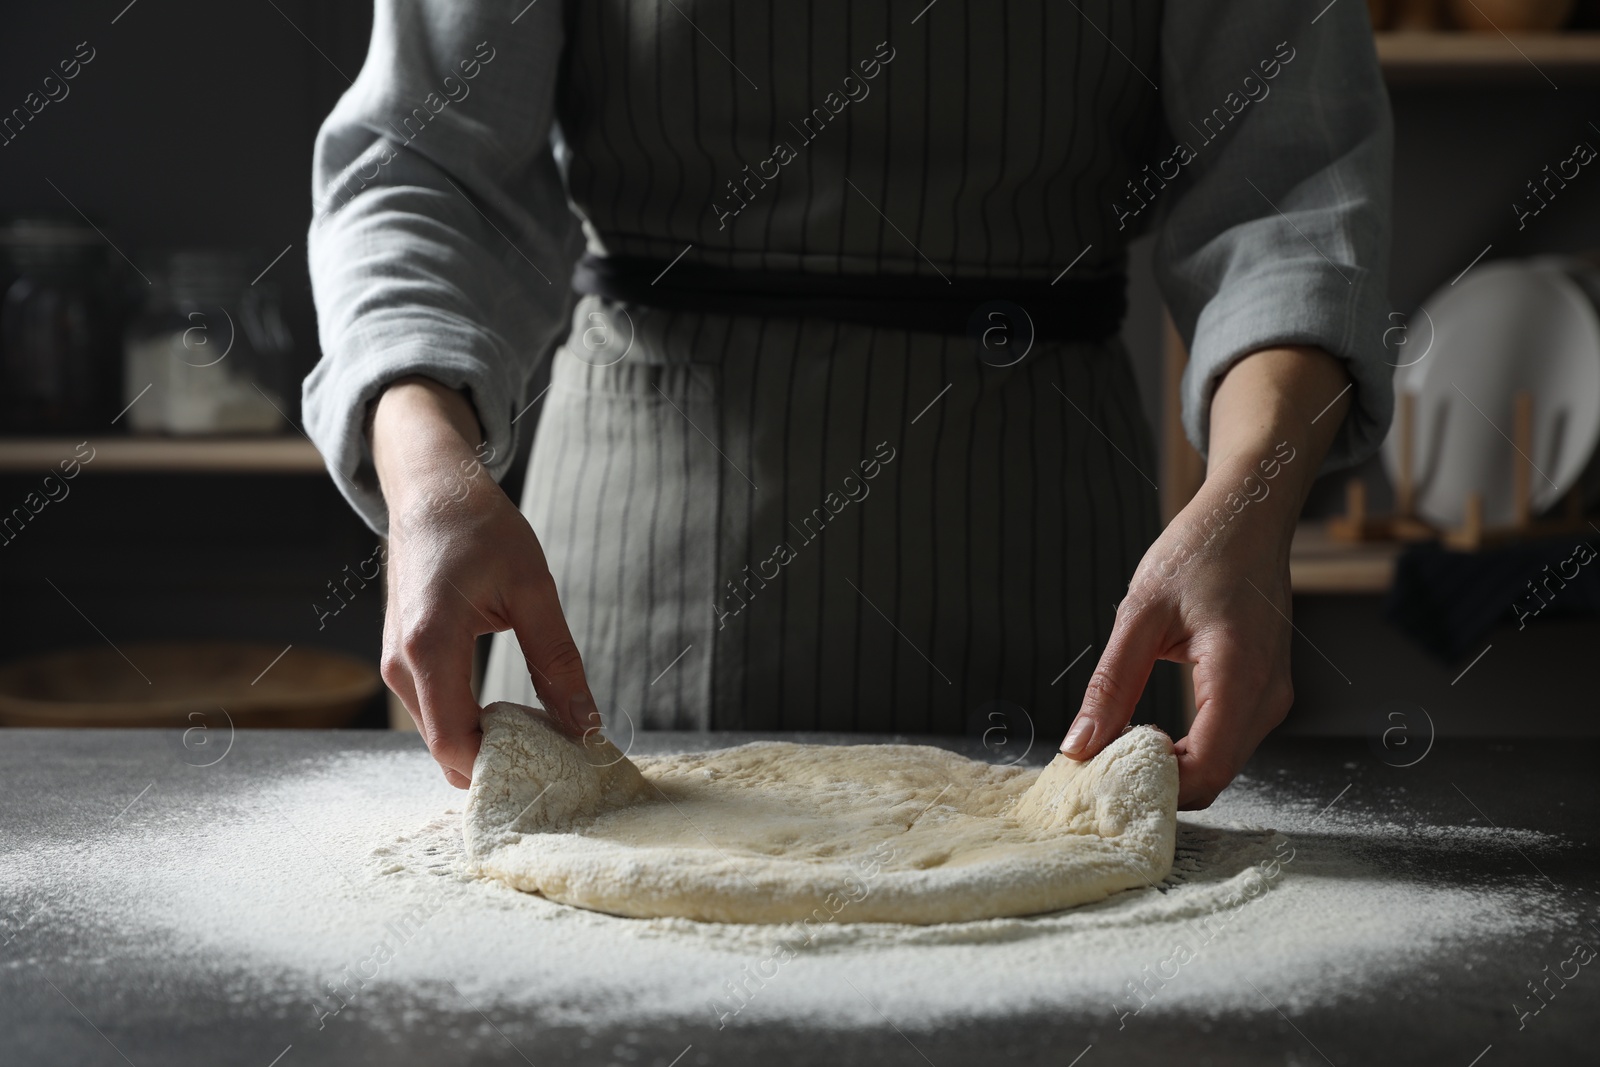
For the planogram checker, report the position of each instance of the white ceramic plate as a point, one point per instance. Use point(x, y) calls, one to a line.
point(1504, 327)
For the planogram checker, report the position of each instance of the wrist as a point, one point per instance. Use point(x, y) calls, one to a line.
point(1263, 483)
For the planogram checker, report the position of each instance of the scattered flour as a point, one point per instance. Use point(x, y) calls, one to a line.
point(342, 885)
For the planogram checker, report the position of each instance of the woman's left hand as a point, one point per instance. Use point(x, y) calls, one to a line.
point(1213, 590)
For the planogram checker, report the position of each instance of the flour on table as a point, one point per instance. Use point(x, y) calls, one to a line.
point(777, 832)
point(282, 891)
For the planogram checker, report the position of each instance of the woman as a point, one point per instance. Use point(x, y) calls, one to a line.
point(839, 434)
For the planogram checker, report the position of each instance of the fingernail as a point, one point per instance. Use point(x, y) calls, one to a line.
point(584, 713)
point(1078, 737)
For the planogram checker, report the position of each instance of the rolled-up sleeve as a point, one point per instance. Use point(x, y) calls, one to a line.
point(1279, 230)
point(441, 240)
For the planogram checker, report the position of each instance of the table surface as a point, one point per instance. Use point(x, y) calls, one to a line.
point(61, 1001)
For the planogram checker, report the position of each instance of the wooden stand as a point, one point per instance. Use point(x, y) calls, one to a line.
point(1357, 525)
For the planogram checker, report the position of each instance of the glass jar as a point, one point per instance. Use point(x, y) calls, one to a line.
point(209, 352)
point(61, 316)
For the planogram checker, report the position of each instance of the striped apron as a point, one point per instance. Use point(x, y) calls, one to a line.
point(771, 524)
point(801, 523)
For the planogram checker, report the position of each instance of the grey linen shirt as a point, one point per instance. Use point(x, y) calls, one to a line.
point(480, 150)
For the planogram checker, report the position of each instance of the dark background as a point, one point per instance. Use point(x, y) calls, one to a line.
point(194, 125)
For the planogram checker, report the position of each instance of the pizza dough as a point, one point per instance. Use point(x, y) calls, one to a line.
point(777, 832)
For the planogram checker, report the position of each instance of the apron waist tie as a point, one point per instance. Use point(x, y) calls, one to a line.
point(1086, 309)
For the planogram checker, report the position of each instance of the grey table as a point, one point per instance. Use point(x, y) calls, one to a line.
point(147, 1008)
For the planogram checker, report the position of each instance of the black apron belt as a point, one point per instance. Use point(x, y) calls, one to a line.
point(1087, 309)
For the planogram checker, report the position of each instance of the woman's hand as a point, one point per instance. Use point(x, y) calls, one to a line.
point(1221, 605)
point(462, 562)
point(1214, 588)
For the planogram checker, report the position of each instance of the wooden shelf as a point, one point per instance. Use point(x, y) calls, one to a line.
point(1319, 564)
point(264, 455)
point(1448, 57)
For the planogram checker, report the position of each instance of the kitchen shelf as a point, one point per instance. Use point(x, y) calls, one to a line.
point(1319, 564)
point(1459, 57)
point(262, 455)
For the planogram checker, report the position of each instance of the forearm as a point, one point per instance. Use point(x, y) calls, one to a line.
point(1294, 397)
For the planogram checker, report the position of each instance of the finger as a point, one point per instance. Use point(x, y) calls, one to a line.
point(1137, 640)
point(1237, 702)
point(552, 658)
point(396, 675)
point(440, 661)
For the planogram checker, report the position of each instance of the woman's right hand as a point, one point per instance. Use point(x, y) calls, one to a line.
point(462, 561)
